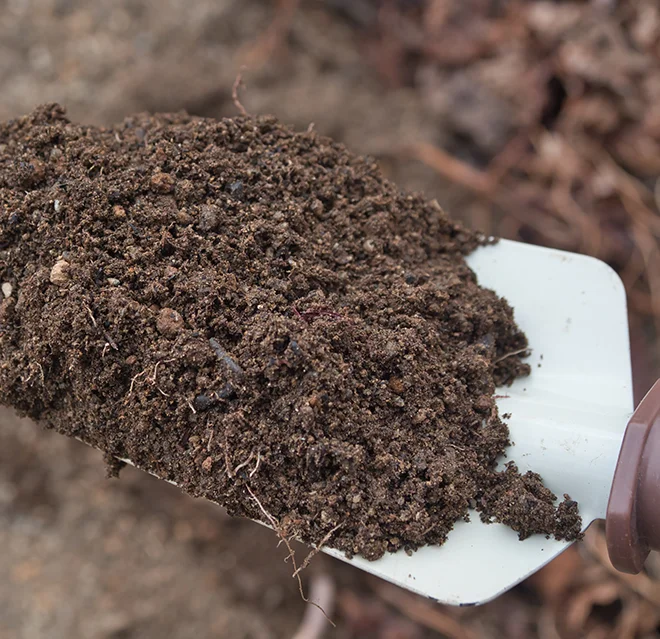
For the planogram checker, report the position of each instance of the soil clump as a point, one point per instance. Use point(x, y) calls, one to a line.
point(260, 317)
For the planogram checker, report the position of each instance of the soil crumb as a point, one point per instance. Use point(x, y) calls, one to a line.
point(260, 317)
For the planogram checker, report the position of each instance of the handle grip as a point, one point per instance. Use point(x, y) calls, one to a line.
point(632, 525)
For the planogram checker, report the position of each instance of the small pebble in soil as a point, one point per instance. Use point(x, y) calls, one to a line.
point(59, 274)
point(202, 403)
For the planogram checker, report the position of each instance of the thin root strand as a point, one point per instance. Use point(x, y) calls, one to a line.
point(276, 527)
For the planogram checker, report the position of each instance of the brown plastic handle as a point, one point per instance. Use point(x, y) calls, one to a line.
point(632, 525)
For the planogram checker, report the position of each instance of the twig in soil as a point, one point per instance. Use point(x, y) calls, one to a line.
point(130, 390)
point(317, 549)
point(256, 468)
point(234, 93)
point(224, 357)
point(511, 354)
point(244, 464)
point(226, 451)
point(110, 341)
point(322, 593)
point(153, 377)
point(276, 527)
point(192, 408)
point(91, 315)
point(158, 363)
point(106, 346)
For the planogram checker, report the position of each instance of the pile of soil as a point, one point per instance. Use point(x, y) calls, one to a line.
point(258, 316)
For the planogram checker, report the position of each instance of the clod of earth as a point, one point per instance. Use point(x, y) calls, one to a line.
point(256, 314)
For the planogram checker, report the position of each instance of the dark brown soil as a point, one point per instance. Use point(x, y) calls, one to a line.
point(260, 317)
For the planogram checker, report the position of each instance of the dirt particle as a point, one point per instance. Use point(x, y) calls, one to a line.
point(483, 404)
point(183, 217)
point(162, 182)
point(169, 322)
point(208, 218)
point(207, 464)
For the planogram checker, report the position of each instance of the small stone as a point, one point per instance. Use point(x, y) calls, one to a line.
point(236, 188)
point(420, 416)
point(59, 274)
point(207, 464)
point(169, 322)
point(208, 218)
point(202, 403)
point(227, 391)
point(162, 182)
point(118, 212)
point(183, 217)
point(317, 208)
point(57, 205)
point(113, 281)
point(7, 289)
point(369, 246)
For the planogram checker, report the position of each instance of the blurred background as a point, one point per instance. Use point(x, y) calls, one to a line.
point(533, 120)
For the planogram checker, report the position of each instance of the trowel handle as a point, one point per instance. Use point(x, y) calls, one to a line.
point(633, 512)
